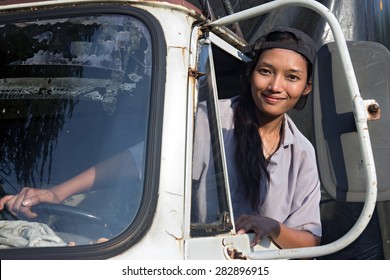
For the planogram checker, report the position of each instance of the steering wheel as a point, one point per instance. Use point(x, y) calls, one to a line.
point(67, 220)
point(74, 213)
point(72, 220)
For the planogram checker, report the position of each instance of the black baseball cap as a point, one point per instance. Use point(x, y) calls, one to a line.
point(304, 45)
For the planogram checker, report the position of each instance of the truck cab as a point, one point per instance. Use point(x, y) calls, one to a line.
point(84, 81)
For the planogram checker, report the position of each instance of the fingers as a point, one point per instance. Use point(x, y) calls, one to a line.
point(3, 201)
point(26, 211)
point(262, 227)
point(20, 204)
point(17, 206)
point(256, 240)
point(8, 205)
point(17, 201)
point(35, 199)
point(244, 224)
point(248, 223)
point(22, 211)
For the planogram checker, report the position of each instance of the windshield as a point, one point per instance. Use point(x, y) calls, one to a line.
point(75, 92)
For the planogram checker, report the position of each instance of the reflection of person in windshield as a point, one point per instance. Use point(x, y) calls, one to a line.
point(121, 167)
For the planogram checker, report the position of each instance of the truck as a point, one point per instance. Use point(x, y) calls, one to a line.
point(83, 80)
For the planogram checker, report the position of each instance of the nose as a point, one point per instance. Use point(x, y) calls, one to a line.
point(276, 84)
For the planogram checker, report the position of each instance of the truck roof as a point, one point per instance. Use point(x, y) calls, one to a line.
point(175, 2)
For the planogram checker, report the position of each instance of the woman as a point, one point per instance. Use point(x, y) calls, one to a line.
point(272, 170)
point(286, 206)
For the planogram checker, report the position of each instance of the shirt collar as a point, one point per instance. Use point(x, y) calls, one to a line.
point(287, 140)
point(288, 136)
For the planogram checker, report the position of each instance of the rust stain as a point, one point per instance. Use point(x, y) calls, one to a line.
point(235, 254)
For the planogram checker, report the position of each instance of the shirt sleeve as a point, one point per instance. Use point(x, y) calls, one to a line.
point(305, 208)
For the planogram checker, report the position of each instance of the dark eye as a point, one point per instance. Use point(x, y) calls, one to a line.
point(264, 71)
point(293, 77)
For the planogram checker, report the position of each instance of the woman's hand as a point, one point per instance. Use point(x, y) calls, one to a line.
point(260, 225)
point(282, 235)
point(21, 203)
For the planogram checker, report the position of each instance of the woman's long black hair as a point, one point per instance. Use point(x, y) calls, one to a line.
point(249, 153)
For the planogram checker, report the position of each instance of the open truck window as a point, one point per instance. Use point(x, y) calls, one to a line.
point(211, 212)
point(219, 79)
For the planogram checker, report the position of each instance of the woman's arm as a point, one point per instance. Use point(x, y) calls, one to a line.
point(119, 167)
point(293, 238)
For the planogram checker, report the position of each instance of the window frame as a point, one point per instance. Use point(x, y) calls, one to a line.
point(207, 43)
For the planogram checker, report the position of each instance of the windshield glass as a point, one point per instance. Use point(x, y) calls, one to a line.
point(74, 94)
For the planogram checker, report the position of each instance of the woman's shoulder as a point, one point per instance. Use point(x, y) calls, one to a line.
point(227, 106)
point(297, 138)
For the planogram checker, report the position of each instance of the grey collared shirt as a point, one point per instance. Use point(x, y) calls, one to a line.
point(293, 184)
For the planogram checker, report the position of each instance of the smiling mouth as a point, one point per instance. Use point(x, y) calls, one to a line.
point(271, 98)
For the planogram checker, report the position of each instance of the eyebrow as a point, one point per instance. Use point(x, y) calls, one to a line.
point(294, 70)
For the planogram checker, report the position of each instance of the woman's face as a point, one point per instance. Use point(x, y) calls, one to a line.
point(278, 81)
